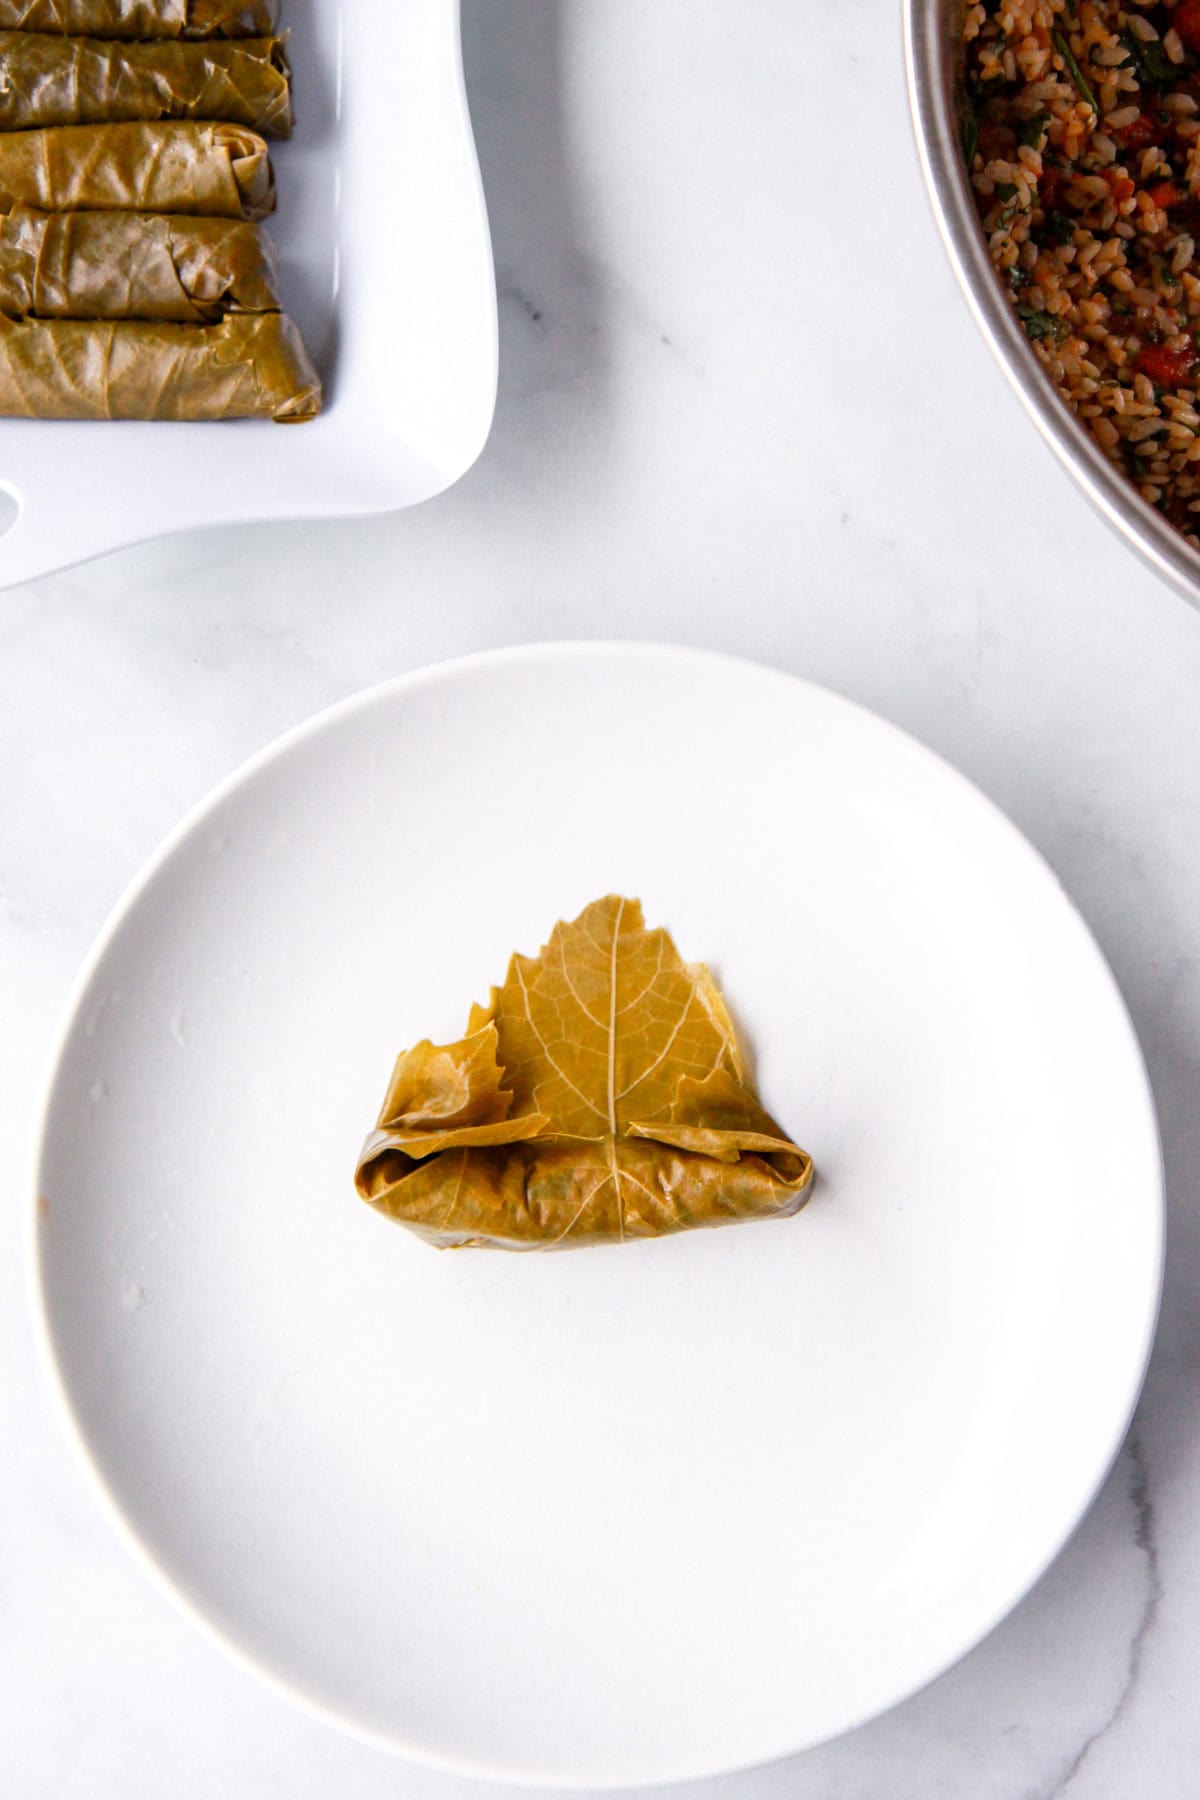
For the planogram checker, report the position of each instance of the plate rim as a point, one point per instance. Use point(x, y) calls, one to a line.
point(326, 719)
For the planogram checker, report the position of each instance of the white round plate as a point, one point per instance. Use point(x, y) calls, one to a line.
point(622, 1514)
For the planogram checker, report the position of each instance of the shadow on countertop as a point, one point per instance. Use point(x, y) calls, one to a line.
point(552, 411)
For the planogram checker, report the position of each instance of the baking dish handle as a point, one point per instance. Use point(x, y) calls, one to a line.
point(38, 535)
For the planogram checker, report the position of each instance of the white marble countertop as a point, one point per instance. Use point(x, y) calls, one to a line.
point(741, 405)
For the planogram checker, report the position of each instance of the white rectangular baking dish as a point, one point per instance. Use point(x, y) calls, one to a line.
point(387, 267)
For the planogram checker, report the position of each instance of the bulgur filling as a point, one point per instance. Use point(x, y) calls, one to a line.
point(1081, 129)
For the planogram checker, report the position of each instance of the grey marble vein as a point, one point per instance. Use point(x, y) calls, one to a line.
point(1146, 1539)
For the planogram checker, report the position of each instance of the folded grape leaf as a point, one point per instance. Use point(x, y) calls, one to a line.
point(250, 366)
point(141, 18)
point(128, 265)
point(48, 80)
point(599, 1096)
point(141, 165)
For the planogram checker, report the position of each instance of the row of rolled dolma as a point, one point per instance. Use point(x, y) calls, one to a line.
point(136, 281)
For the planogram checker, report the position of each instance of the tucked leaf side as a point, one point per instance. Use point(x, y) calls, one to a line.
point(445, 1097)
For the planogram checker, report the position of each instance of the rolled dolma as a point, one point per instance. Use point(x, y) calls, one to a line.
point(113, 265)
point(251, 365)
point(218, 171)
point(141, 18)
point(48, 80)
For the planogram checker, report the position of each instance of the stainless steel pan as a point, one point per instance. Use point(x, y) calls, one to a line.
point(931, 51)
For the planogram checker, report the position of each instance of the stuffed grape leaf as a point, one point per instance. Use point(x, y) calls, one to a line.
point(48, 80)
point(601, 1095)
point(143, 165)
point(114, 265)
point(141, 18)
point(250, 366)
